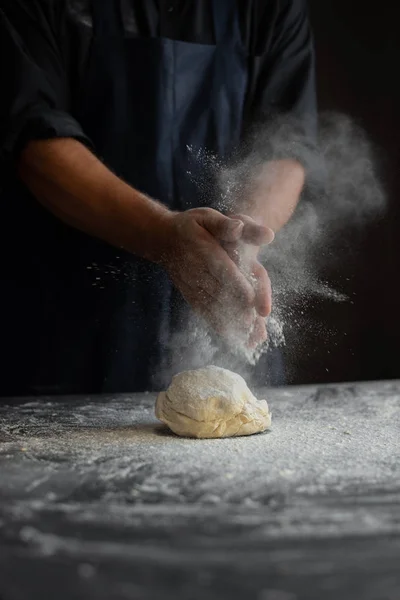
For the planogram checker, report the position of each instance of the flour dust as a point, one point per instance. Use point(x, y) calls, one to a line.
point(342, 191)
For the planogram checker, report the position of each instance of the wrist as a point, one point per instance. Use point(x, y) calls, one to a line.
point(161, 236)
point(139, 224)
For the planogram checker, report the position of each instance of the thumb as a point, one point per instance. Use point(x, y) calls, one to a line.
point(254, 233)
point(263, 290)
point(221, 227)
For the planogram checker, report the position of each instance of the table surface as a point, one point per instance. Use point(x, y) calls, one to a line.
point(98, 500)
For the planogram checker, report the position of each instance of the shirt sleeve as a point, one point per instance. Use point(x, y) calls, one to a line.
point(283, 77)
point(34, 101)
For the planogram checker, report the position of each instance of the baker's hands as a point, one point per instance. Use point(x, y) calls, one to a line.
point(244, 253)
point(203, 257)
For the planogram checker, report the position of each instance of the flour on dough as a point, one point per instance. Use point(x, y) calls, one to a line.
point(211, 403)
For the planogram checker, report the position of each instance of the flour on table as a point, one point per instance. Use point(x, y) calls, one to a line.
point(211, 403)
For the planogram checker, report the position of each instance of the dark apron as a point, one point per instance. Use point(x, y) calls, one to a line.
point(97, 319)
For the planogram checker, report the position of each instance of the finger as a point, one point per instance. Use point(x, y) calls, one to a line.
point(233, 330)
point(233, 251)
point(254, 233)
point(263, 292)
point(259, 334)
point(232, 282)
point(221, 227)
point(207, 284)
point(234, 285)
point(219, 303)
point(226, 320)
point(204, 290)
point(243, 255)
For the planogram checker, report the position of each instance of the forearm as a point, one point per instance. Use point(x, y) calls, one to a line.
point(77, 188)
point(274, 194)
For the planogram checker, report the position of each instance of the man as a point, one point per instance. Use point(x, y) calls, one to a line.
point(103, 106)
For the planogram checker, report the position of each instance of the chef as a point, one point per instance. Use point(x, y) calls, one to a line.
point(108, 112)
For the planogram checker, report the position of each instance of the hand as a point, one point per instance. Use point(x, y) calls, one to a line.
point(244, 253)
point(205, 274)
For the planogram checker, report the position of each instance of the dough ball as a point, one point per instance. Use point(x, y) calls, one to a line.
point(211, 403)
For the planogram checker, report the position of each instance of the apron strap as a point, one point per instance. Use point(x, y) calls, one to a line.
point(107, 18)
point(226, 21)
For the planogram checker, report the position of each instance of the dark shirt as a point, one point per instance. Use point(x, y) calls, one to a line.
point(60, 332)
point(45, 44)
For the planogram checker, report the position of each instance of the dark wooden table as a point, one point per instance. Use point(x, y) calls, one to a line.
point(98, 501)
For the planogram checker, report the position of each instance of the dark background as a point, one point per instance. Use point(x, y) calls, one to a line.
point(358, 51)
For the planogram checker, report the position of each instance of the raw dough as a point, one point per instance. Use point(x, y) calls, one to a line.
point(211, 403)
